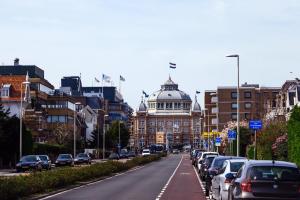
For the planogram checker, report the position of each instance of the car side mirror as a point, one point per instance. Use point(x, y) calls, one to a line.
point(230, 176)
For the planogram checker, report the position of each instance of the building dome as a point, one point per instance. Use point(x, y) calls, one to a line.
point(142, 107)
point(169, 99)
point(169, 91)
point(197, 107)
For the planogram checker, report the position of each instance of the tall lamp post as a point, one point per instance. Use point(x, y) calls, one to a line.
point(103, 139)
point(238, 103)
point(21, 114)
point(74, 127)
point(208, 133)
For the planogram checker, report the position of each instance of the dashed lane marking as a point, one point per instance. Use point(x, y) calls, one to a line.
point(167, 184)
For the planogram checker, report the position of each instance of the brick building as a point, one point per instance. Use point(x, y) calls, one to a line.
point(221, 104)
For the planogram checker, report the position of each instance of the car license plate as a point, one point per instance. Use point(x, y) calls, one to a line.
point(62, 163)
point(25, 167)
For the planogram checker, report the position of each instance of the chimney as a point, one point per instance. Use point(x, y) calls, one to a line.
point(16, 62)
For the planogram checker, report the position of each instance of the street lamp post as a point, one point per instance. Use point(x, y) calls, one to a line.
point(103, 140)
point(238, 103)
point(21, 115)
point(208, 133)
point(74, 127)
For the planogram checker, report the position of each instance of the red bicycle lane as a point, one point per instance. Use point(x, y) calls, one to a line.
point(184, 185)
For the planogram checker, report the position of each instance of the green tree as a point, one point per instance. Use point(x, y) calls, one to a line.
point(113, 135)
point(267, 137)
point(245, 140)
point(294, 136)
point(10, 137)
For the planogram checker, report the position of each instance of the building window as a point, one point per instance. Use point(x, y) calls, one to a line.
point(247, 116)
point(233, 95)
point(247, 95)
point(233, 105)
point(5, 90)
point(169, 106)
point(160, 106)
point(233, 116)
point(248, 105)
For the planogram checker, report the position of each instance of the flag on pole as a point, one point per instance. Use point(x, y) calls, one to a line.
point(172, 65)
point(97, 80)
point(198, 92)
point(122, 78)
point(146, 95)
point(106, 78)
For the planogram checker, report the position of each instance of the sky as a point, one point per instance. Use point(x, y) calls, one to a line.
point(138, 38)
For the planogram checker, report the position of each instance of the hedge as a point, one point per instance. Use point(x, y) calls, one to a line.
point(40, 182)
point(294, 136)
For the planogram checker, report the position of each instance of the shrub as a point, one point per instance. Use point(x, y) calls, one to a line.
point(294, 136)
point(21, 186)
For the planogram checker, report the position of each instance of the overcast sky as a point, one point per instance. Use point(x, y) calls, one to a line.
point(138, 38)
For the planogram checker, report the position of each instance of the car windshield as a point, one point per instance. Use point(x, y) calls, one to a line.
point(82, 155)
point(209, 160)
point(64, 156)
point(199, 154)
point(218, 163)
point(274, 173)
point(43, 158)
point(208, 154)
point(235, 166)
point(28, 159)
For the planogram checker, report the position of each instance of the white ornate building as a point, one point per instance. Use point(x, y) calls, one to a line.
point(168, 118)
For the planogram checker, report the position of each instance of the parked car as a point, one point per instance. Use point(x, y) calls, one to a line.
point(46, 162)
point(175, 151)
point(265, 180)
point(146, 152)
point(216, 165)
point(114, 156)
point(131, 154)
point(205, 166)
point(64, 160)
point(202, 157)
point(82, 158)
point(194, 155)
point(220, 183)
point(30, 162)
point(123, 154)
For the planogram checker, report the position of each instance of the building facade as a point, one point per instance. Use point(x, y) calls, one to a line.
point(221, 104)
point(168, 119)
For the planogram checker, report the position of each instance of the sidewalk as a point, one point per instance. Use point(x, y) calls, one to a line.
point(184, 184)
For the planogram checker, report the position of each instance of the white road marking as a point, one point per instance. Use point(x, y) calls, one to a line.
point(167, 184)
point(201, 183)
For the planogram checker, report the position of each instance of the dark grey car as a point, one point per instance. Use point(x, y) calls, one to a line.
point(266, 180)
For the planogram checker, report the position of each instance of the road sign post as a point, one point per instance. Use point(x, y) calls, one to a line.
point(255, 125)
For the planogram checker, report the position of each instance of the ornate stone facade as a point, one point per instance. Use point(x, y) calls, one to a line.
point(168, 118)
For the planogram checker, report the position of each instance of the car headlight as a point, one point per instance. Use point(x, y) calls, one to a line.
point(18, 164)
point(56, 161)
point(75, 159)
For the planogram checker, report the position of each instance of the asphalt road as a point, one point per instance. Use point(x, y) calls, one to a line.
point(145, 183)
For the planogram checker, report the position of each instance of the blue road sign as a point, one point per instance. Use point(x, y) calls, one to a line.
point(255, 124)
point(218, 141)
point(231, 135)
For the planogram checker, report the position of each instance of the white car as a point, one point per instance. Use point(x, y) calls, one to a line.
point(219, 182)
point(203, 156)
point(146, 152)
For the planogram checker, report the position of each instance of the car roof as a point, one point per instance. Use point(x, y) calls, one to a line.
point(210, 152)
point(237, 160)
point(270, 163)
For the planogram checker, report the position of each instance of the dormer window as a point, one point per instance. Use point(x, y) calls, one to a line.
point(5, 91)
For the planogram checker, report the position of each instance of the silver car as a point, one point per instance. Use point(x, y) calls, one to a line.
point(276, 180)
point(220, 183)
